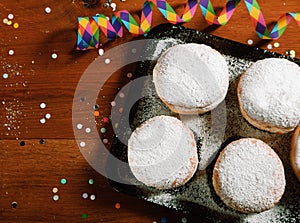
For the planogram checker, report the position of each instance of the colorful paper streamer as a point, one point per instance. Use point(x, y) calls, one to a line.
point(89, 28)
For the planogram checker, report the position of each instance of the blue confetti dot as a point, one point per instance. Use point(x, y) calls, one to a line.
point(163, 220)
point(5, 75)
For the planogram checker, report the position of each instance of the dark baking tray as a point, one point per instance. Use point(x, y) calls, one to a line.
point(119, 150)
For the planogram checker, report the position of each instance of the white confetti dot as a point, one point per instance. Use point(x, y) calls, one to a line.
point(88, 130)
point(101, 52)
point(48, 116)
point(85, 195)
point(113, 103)
point(5, 21)
point(269, 46)
point(82, 144)
point(92, 197)
point(48, 10)
point(10, 16)
point(55, 190)
point(54, 56)
point(43, 121)
point(105, 141)
point(107, 61)
point(122, 95)
point(43, 105)
point(79, 126)
point(250, 41)
point(276, 45)
point(129, 75)
point(55, 197)
point(11, 52)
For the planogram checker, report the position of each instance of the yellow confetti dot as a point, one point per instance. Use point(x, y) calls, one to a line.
point(96, 113)
point(276, 44)
point(117, 205)
point(16, 25)
point(9, 23)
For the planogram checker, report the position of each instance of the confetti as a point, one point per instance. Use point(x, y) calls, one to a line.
point(54, 190)
point(113, 6)
point(84, 216)
point(101, 52)
point(85, 195)
point(250, 41)
point(11, 52)
point(276, 44)
point(91, 181)
point(48, 10)
point(5, 20)
point(105, 141)
point(269, 46)
point(42, 141)
point(10, 16)
point(96, 113)
point(117, 205)
point(55, 197)
point(105, 120)
point(88, 130)
point(122, 95)
point(129, 75)
point(79, 126)
point(42, 120)
point(5, 75)
point(103, 130)
point(184, 220)
point(54, 56)
point(9, 23)
point(43, 105)
point(22, 143)
point(95, 107)
point(82, 144)
point(14, 204)
point(88, 28)
point(16, 25)
point(107, 61)
point(163, 220)
point(113, 103)
point(48, 116)
point(63, 181)
point(92, 197)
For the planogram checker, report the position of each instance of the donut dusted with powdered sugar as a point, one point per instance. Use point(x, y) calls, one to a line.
point(295, 152)
point(249, 176)
point(269, 95)
point(191, 78)
point(162, 153)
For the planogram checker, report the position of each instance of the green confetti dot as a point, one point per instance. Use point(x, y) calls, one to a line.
point(103, 130)
point(91, 181)
point(184, 220)
point(84, 216)
point(63, 181)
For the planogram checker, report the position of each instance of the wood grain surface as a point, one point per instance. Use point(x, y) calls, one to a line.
point(29, 172)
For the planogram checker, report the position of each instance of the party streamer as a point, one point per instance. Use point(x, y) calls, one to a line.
point(89, 28)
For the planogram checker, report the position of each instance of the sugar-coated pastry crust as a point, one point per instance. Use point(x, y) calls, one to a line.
point(269, 95)
point(162, 153)
point(191, 78)
point(295, 152)
point(249, 176)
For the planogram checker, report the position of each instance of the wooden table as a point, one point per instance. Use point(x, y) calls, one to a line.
point(31, 168)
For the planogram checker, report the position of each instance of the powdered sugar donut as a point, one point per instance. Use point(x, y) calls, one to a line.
point(249, 176)
point(269, 95)
point(191, 78)
point(295, 152)
point(162, 153)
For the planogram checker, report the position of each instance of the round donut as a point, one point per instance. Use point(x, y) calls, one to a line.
point(295, 152)
point(269, 95)
point(249, 176)
point(162, 153)
point(191, 78)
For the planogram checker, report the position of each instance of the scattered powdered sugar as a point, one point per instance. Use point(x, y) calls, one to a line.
point(271, 93)
point(249, 176)
point(297, 157)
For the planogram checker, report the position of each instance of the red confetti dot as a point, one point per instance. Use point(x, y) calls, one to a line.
point(117, 205)
point(105, 120)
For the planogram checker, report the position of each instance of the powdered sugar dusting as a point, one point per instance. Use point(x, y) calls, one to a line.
point(271, 93)
point(249, 176)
